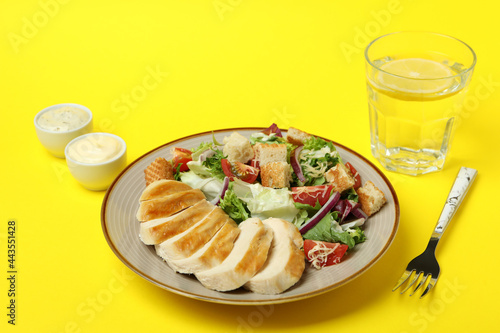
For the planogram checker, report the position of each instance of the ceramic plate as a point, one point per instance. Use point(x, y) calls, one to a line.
point(121, 230)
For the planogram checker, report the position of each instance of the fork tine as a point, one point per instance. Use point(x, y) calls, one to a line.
point(421, 283)
point(402, 279)
point(431, 284)
point(417, 276)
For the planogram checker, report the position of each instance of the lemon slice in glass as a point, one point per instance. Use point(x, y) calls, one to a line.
point(415, 76)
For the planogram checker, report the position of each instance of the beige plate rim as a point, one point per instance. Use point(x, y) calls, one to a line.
point(123, 258)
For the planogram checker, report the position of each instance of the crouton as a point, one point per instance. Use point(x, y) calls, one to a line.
point(159, 169)
point(370, 198)
point(296, 136)
point(340, 177)
point(237, 148)
point(272, 152)
point(275, 174)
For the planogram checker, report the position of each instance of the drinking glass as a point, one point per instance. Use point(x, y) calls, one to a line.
point(416, 83)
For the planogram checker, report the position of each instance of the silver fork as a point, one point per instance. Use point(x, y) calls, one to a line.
point(425, 268)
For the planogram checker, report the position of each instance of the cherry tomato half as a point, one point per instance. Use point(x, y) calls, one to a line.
point(226, 167)
point(355, 174)
point(317, 251)
point(311, 194)
point(239, 170)
point(245, 172)
point(181, 156)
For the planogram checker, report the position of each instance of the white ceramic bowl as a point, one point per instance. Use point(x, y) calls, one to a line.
point(97, 176)
point(55, 142)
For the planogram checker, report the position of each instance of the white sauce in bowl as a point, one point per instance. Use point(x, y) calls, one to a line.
point(63, 119)
point(94, 149)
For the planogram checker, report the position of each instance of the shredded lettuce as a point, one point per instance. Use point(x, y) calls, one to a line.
point(211, 187)
point(329, 230)
point(177, 172)
point(315, 143)
point(204, 146)
point(316, 158)
point(263, 138)
point(308, 208)
point(215, 140)
point(234, 207)
point(214, 166)
point(357, 234)
point(301, 218)
point(350, 194)
point(198, 168)
point(353, 224)
point(264, 202)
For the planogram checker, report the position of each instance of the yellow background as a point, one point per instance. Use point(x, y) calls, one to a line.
point(221, 64)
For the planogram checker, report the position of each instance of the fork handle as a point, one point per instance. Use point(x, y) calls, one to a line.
point(458, 191)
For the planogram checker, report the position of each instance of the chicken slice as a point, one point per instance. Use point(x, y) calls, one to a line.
point(159, 230)
point(166, 206)
point(285, 262)
point(188, 242)
point(162, 188)
point(211, 254)
point(246, 258)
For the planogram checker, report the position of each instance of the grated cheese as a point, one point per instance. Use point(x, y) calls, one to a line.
point(315, 194)
point(319, 253)
point(320, 169)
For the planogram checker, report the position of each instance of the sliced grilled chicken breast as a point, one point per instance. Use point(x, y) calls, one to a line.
point(159, 230)
point(162, 188)
point(188, 242)
point(246, 258)
point(166, 206)
point(285, 262)
point(211, 254)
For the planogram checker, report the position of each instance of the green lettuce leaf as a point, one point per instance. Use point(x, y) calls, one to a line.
point(357, 234)
point(315, 143)
point(301, 217)
point(310, 209)
point(350, 194)
point(211, 187)
point(214, 166)
point(316, 158)
point(198, 168)
point(200, 149)
point(264, 202)
point(328, 230)
point(234, 207)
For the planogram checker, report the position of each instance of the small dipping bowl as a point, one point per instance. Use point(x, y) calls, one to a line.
point(55, 138)
point(95, 159)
